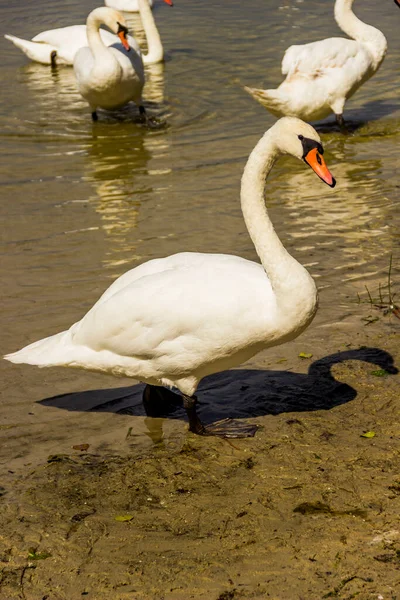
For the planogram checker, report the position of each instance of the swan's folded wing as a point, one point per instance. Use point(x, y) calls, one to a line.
point(312, 60)
point(181, 312)
point(72, 38)
point(75, 34)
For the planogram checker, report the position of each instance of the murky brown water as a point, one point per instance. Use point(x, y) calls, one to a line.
point(82, 202)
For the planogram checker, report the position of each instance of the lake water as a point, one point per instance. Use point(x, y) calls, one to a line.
point(83, 202)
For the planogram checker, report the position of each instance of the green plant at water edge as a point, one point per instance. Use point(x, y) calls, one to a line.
point(385, 304)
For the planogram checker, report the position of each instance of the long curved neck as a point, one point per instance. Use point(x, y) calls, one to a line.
point(284, 272)
point(96, 44)
point(360, 31)
point(155, 52)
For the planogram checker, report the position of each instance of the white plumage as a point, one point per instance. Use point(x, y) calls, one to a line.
point(65, 42)
point(322, 75)
point(172, 321)
point(125, 5)
point(59, 46)
point(108, 76)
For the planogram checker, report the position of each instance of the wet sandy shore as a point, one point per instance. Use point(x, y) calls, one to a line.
point(306, 510)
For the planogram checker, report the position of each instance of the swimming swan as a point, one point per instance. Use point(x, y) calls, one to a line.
point(125, 5)
point(321, 76)
point(59, 46)
point(108, 76)
point(172, 321)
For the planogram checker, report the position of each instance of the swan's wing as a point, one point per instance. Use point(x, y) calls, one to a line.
point(63, 36)
point(312, 60)
point(181, 260)
point(181, 314)
point(125, 5)
point(129, 59)
point(68, 40)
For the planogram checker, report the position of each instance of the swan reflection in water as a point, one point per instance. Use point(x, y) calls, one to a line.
point(56, 95)
point(118, 167)
point(116, 151)
point(239, 393)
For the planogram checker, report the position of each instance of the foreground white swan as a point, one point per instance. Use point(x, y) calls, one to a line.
point(321, 76)
point(125, 5)
point(59, 46)
point(172, 321)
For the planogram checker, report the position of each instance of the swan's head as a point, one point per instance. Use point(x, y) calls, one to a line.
point(122, 33)
point(294, 136)
point(115, 21)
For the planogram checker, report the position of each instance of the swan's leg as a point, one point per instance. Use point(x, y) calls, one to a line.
point(143, 113)
point(340, 120)
point(159, 401)
point(195, 425)
point(151, 395)
point(341, 123)
point(338, 107)
point(94, 116)
point(227, 428)
point(53, 61)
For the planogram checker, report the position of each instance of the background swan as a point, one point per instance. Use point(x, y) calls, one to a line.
point(59, 46)
point(321, 76)
point(108, 76)
point(125, 5)
point(174, 320)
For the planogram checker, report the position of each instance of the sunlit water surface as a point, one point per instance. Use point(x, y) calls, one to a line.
point(83, 202)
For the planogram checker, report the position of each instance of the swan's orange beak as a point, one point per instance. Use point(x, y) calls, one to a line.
point(124, 41)
point(317, 163)
point(169, 2)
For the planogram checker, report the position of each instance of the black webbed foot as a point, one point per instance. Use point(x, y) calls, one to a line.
point(230, 428)
point(150, 122)
point(226, 428)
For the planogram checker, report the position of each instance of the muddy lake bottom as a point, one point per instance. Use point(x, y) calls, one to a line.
point(307, 509)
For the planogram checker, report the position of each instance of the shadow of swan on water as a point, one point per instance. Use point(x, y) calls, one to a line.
point(374, 110)
point(237, 393)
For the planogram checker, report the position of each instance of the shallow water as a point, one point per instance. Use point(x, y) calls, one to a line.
point(84, 202)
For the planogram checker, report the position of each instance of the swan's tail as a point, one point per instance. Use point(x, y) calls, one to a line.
point(49, 352)
point(37, 51)
point(271, 100)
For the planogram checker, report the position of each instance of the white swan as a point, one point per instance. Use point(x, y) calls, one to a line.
point(108, 76)
point(125, 5)
point(321, 76)
point(59, 46)
point(172, 321)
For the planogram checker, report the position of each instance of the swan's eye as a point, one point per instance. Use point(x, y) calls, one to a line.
point(301, 137)
point(319, 161)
